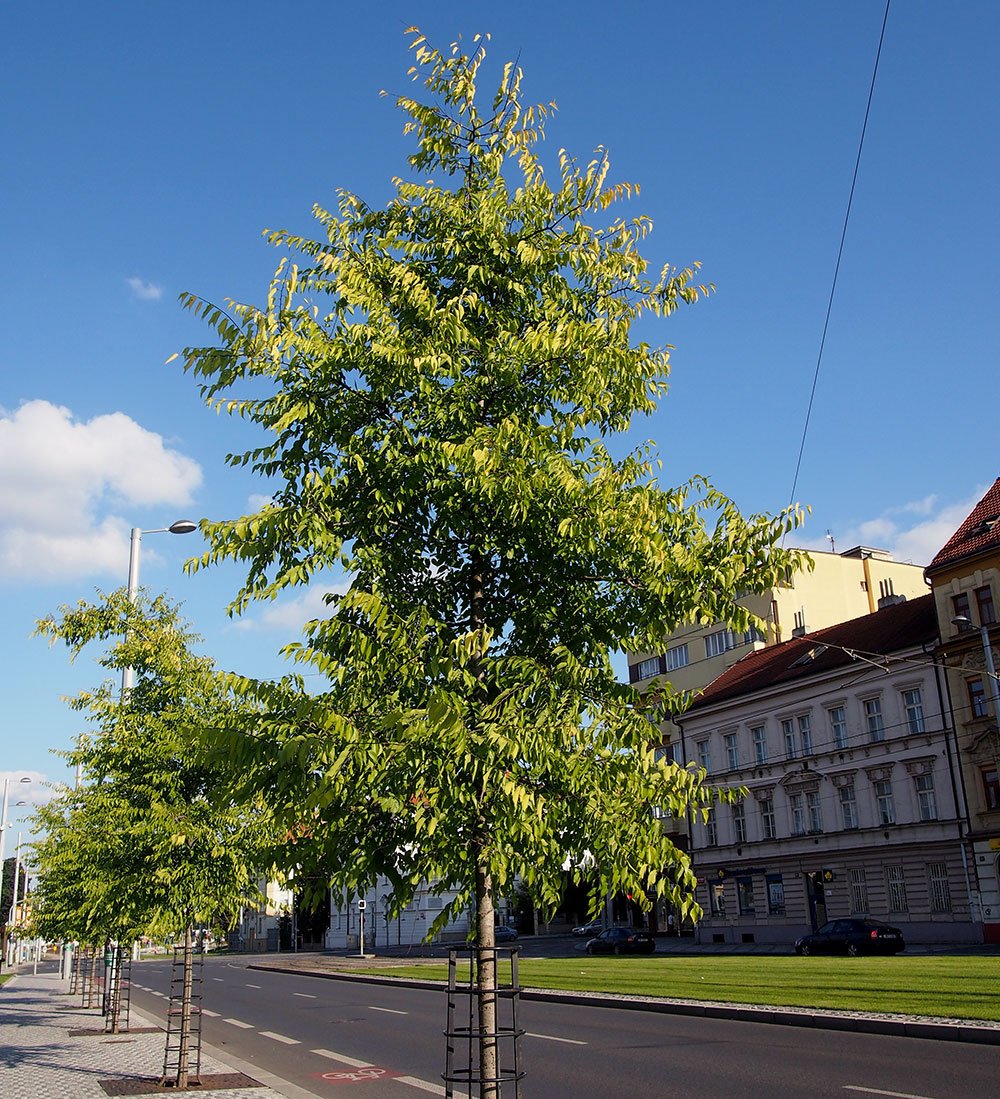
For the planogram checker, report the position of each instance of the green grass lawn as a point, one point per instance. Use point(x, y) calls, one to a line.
point(950, 987)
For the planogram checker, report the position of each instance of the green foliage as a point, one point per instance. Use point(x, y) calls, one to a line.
point(145, 845)
point(439, 380)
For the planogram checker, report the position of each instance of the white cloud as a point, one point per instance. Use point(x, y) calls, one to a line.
point(62, 479)
point(290, 615)
point(912, 532)
point(145, 291)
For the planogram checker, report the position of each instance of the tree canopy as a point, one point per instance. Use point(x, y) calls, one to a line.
point(144, 845)
point(440, 381)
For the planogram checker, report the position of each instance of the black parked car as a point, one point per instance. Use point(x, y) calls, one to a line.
point(622, 940)
point(852, 937)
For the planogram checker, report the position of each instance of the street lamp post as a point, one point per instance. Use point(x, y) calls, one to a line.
point(3, 833)
point(964, 623)
point(182, 526)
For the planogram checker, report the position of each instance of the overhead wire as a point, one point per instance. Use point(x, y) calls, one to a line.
point(840, 254)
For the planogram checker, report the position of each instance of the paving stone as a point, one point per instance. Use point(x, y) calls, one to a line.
point(40, 1059)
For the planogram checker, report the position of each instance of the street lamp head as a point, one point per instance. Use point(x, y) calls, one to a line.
point(962, 621)
point(182, 526)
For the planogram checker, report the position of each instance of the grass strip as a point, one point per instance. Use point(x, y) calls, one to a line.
point(947, 987)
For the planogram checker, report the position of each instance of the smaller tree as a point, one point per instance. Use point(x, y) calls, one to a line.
point(144, 846)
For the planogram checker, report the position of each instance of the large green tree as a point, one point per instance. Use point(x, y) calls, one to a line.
point(147, 844)
point(439, 380)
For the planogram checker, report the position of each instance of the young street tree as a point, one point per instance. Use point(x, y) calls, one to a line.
point(145, 845)
point(438, 380)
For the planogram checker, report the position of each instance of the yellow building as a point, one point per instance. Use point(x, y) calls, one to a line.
point(841, 586)
point(965, 579)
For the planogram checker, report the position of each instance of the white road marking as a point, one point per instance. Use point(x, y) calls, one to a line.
point(209, 1013)
point(879, 1091)
point(253, 986)
point(424, 1085)
point(388, 1010)
point(342, 1058)
point(305, 995)
point(280, 1038)
point(553, 1038)
point(219, 979)
point(237, 1022)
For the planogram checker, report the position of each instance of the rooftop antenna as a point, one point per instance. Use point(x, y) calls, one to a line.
point(829, 538)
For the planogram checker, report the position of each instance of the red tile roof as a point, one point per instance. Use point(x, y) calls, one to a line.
point(900, 626)
point(978, 534)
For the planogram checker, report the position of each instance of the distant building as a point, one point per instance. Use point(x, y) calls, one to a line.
point(854, 805)
point(965, 579)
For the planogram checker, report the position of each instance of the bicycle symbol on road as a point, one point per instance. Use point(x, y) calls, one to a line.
point(358, 1075)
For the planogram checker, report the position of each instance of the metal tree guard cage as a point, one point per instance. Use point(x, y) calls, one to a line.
point(462, 1073)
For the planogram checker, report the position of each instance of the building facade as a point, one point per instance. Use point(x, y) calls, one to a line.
point(842, 738)
point(965, 579)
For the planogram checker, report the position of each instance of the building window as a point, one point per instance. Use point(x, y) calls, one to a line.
point(991, 787)
point(704, 754)
point(960, 609)
point(815, 811)
point(732, 751)
point(848, 806)
point(797, 802)
point(788, 731)
point(717, 898)
point(767, 824)
point(859, 891)
point(914, 707)
point(744, 895)
point(649, 668)
point(937, 874)
point(676, 657)
point(926, 802)
point(711, 830)
point(719, 642)
point(886, 805)
point(977, 698)
point(759, 735)
point(775, 895)
point(838, 725)
point(739, 823)
point(895, 887)
point(984, 603)
point(873, 718)
point(753, 634)
point(805, 734)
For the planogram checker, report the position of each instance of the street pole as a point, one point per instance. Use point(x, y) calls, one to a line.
point(984, 636)
point(182, 526)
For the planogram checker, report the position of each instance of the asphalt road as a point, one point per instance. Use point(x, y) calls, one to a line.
point(304, 1028)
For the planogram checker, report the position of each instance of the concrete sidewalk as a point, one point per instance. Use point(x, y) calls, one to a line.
point(39, 1059)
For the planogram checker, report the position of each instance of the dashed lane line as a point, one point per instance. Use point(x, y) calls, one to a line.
point(239, 1023)
point(252, 986)
point(211, 1014)
point(423, 1085)
point(305, 995)
point(388, 1010)
point(279, 1038)
point(879, 1091)
point(553, 1038)
point(352, 1062)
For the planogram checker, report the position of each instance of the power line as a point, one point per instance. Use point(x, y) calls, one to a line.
point(840, 253)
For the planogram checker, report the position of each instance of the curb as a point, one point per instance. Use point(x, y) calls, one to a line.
point(937, 1030)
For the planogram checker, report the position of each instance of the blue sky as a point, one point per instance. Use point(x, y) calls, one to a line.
point(146, 147)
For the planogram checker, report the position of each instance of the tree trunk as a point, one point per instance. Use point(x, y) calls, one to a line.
point(486, 986)
point(185, 1035)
